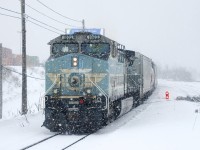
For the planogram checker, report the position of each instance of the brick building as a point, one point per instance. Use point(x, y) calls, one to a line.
point(17, 60)
point(7, 59)
point(10, 59)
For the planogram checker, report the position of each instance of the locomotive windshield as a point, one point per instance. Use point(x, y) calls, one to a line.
point(100, 50)
point(64, 48)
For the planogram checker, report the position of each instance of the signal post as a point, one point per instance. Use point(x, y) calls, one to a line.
point(1, 97)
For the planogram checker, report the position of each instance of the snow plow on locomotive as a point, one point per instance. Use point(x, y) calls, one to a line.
point(91, 80)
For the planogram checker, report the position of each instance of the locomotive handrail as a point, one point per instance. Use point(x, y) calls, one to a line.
point(101, 89)
point(104, 93)
point(135, 82)
point(47, 91)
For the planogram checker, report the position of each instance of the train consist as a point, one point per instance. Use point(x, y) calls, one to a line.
point(91, 80)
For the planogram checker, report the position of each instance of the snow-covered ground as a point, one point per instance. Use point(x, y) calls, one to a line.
point(157, 124)
point(12, 88)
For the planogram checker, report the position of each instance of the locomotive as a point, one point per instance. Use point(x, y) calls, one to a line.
point(91, 80)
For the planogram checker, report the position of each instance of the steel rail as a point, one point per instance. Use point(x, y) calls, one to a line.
point(34, 144)
point(76, 142)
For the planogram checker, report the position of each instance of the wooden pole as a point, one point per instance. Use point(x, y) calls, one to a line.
point(24, 77)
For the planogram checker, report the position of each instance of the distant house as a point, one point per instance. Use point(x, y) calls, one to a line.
point(17, 60)
point(10, 59)
point(7, 57)
point(32, 61)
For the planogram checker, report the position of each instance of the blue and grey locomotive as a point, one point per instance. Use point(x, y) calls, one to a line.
point(91, 80)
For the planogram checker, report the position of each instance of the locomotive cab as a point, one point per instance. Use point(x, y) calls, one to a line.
point(82, 43)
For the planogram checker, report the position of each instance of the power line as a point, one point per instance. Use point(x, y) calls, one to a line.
point(10, 16)
point(44, 23)
point(40, 13)
point(30, 22)
point(50, 17)
point(43, 27)
point(57, 12)
point(10, 10)
point(30, 18)
point(22, 74)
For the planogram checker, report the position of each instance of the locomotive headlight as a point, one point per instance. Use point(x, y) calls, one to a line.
point(74, 61)
point(74, 64)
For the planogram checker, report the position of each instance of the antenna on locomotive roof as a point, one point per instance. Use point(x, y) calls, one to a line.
point(83, 22)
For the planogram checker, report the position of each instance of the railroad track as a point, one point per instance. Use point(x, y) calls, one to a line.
point(36, 143)
point(51, 137)
point(76, 142)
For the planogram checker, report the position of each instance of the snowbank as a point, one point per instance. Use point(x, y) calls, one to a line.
point(12, 89)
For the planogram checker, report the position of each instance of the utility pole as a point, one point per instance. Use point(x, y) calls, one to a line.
point(20, 42)
point(83, 23)
point(24, 77)
point(1, 97)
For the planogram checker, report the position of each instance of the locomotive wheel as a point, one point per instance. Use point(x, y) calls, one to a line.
point(136, 99)
point(135, 103)
point(55, 129)
point(116, 109)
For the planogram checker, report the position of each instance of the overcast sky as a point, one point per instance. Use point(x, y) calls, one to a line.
point(168, 31)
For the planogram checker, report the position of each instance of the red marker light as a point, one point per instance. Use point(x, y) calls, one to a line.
point(81, 101)
point(167, 95)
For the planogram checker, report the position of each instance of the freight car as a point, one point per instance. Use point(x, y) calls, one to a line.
point(91, 80)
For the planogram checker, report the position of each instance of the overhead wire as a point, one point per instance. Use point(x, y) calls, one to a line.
point(58, 12)
point(43, 27)
point(50, 17)
point(10, 10)
point(44, 23)
point(10, 16)
point(30, 20)
point(21, 73)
